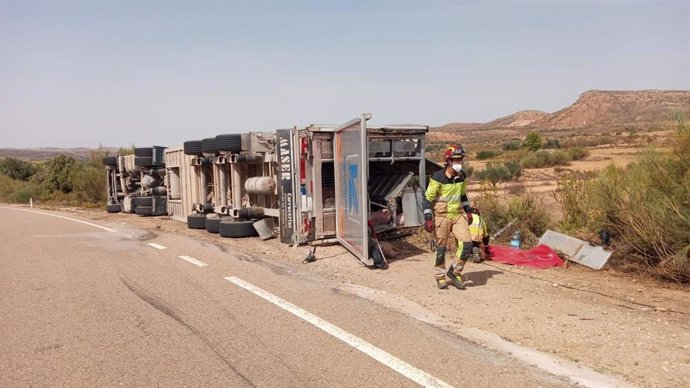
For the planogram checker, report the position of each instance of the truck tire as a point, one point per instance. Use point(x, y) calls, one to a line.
point(208, 145)
point(142, 201)
point(144, 151)
point(196, 221)
point(229, 142)
point(110, 161)
point(143, 161)
point(193, 147)
point(213, 224)
point(237, 229)
point(143, 210)
point(116, 208)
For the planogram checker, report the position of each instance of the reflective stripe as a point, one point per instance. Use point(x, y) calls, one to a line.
point(449, 198)
point(466, 203)
point(428, 211)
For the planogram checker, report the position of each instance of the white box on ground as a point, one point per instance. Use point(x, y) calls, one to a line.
point(579, 251)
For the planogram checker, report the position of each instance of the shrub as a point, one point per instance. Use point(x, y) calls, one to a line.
point(645, 207)
point(57, 174)
point(576, 153)
point(487, 154)
point(552, 143)
point(544, 158)
point(494, 173)
point(532, 141)
point(17, 169)
point(87, 184)
point(531, 218)
point(512, 145)
point(514, 167)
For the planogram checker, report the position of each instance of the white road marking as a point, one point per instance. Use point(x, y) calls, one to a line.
point(157, 246)
point(418, 376)
point(65, 218)
point(193, 261)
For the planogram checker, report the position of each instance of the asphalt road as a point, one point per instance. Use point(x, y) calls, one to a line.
point(86, 306)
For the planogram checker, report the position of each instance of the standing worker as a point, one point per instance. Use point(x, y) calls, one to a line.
point(444, 204)
point(479, 231)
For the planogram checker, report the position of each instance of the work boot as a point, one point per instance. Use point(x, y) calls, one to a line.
point(441, 283)
point(455, 279)
point(475, 255)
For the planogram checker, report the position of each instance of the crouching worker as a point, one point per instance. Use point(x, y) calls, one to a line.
point(447, 212)
point(375, 251)
point(479, 231)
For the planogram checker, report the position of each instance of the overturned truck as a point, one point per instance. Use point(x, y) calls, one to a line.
point(136, 183)
point(300, 185)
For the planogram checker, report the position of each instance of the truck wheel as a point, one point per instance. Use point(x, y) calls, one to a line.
point(143, 161)
point(229, 142)
point(193, 147)
point(208, 145)
point(237, 229)
point(142, 201)
point(196, 221)
point(143, 210)
point(116, 208)
point(110, 161)
point(213, 224)
point(144, 151)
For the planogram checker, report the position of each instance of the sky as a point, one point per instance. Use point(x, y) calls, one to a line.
point(118, 73)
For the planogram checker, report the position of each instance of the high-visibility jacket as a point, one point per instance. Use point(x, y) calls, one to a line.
point(478, 228)
point(446, 196)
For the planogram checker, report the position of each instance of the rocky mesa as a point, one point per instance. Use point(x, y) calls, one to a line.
point(595, 110)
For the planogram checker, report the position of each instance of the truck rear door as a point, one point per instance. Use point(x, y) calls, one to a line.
point(351, 176)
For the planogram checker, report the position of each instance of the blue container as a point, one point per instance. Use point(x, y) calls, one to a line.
point(516, 240)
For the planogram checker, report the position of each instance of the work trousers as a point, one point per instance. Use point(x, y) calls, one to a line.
point(454, 231)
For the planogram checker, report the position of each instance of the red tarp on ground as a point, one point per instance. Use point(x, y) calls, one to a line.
point(540, 256)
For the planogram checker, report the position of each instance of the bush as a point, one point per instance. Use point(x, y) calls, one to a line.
point(532, 141)
point(512, 145)
point(17, 168)
point(576, 153)
point(544, 158)
point(88, 186)
point(487, 154)
point(57, 174)
point(645, 207)
point(494, 173)
point(531, 218)
point(551, 144)
point(514, 167)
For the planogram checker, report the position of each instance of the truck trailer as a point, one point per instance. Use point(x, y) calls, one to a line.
point(301, 185)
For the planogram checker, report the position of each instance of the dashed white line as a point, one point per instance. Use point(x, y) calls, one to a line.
point(193, 261)
point(157, 246)
point(418, 376)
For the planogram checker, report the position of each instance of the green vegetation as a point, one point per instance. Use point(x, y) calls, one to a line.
point(544, 158)
point(531, 218)
point(533, 141)
point(60, 180)
point(495, 172)
point(487, 154)
point(645, 207)
point(512, 145)
point(17, 168)
point(551, 144)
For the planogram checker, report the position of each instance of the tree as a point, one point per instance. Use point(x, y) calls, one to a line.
point(533, 141)
point(17, 168)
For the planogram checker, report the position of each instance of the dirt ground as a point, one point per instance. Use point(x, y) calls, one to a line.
point(610, 322)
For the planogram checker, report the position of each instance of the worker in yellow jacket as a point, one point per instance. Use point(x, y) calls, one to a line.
point(447, 212)
point(479, 232)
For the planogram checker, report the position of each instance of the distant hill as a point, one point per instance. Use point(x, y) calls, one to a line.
point(38, 154)
point(595, 110)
